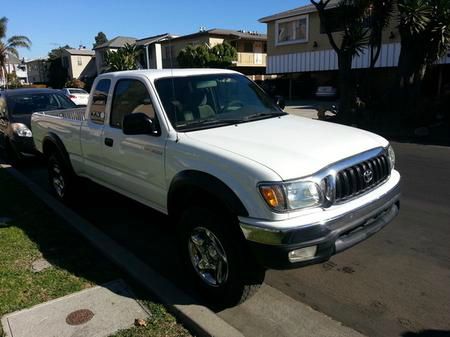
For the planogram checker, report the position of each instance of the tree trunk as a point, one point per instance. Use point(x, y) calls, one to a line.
point(346, 88)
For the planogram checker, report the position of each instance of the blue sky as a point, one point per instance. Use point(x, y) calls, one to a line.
point(51, 23)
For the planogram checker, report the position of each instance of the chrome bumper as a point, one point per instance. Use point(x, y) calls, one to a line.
point(347, 229)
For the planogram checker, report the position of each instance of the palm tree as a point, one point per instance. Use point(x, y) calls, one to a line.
point(425, 37)
point(125, 58)
point(9, 47)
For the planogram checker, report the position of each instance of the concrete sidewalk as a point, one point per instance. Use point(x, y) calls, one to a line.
point(105, 310)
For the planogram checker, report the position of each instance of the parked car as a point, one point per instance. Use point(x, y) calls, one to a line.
point(247, 186)
point(16, 107)
point(78, 96)
point(326, 91)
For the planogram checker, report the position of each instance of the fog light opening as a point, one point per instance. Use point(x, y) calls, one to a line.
point(302, 254)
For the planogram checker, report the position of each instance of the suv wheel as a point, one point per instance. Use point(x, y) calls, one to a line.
point(216, 257)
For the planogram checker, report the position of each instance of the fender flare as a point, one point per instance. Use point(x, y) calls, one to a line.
point(60, 149)
point(195, 181)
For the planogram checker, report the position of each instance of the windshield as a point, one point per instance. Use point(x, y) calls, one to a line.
point(28, 103)
point(213, 100)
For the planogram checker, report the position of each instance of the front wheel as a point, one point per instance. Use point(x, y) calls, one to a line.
point(216, 258)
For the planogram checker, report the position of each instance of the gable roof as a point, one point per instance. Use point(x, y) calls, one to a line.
point(296, 11)
point(238, 34)
point(117, 42)
point(85, 52)
point(152, 39)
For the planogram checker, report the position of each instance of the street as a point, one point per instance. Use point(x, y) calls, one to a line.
point(392, 284)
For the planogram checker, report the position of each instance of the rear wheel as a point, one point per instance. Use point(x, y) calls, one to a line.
point(60, 178)
point(216, 257)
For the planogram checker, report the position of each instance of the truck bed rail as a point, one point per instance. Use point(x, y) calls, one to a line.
point(77, 114)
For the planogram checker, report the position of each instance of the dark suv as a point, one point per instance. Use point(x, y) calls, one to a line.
point(16, 107)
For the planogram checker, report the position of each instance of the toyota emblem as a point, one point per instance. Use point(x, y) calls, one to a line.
point(368, 176)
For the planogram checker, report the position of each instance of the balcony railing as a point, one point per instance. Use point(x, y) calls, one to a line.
point(251, 60)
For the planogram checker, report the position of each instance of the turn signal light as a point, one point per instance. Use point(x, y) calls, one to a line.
point(273, 195)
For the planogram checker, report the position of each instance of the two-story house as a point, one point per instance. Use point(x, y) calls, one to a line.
point(250, 46)
point(80, 63)
point(297, 45)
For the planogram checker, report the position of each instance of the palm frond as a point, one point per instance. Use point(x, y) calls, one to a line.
point(19, 41)
point(12, 51)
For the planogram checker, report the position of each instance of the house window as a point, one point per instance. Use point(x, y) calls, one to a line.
point(292, 30)
point(79, 61)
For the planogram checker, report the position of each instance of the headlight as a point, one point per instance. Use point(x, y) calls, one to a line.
point(291, 195)
point(391, 156)
point(21, 130)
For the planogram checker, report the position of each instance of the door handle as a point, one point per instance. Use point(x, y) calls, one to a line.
point(109, 142)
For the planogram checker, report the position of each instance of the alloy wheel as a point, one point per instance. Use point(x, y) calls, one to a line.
point(208, 257)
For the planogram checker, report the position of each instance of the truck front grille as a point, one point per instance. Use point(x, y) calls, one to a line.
point(361, 177)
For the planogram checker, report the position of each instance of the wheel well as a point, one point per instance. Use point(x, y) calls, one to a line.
point(53, 145)
point(48, 148)
point(191, 188)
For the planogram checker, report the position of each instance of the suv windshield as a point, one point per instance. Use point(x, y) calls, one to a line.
point(198, 102)
point(26, 104)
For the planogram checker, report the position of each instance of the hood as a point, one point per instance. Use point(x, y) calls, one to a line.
point(291, 146)
point(24, 119)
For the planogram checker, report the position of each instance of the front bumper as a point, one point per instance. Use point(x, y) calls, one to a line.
point(24, 146)
point(271, 245)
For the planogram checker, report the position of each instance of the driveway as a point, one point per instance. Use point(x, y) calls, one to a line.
point(394, 283)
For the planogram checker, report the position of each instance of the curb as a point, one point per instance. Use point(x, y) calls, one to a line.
point(195, 317)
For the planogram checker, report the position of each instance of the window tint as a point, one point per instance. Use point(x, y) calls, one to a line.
point(130, 96)
point(99, 99)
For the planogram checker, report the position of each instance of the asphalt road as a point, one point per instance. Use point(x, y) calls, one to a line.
point(397, 283)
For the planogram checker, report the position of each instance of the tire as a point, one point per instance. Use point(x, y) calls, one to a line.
point(60, 178)
point(210, 238)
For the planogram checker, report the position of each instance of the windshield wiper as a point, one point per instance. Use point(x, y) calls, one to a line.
point(264, 115)
point(211, 121)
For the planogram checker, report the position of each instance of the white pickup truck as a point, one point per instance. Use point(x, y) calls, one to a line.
point(248, 187)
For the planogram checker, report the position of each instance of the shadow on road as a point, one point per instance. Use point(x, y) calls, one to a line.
point(428, 333)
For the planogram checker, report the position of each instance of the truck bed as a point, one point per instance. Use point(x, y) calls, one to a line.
point(65, 124)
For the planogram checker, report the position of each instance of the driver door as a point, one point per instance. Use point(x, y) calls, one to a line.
point(134, 164)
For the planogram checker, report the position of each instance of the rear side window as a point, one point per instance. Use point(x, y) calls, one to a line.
point(99, 99)
point(130, 96)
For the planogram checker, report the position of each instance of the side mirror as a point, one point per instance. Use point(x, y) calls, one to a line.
point(139, 124)
point(279, 100)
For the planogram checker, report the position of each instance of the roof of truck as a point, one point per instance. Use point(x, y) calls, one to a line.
point(153, 74)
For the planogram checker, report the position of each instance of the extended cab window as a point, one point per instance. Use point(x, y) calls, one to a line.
point(130, 96)
point(99, 99)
